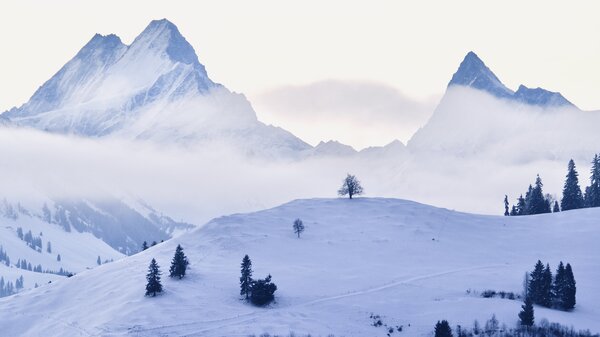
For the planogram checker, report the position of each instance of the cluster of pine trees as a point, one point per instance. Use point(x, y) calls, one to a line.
point(552, 291)
point(535, 202)
point(6, 288)
point(260, 292)
point(178, 268)
point(4, 258)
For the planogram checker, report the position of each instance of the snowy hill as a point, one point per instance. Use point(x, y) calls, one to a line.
point(155, 88)
point(410, 263)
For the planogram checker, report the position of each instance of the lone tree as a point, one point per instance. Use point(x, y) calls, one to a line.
point(506, 212)
point(442, 329)
point(263, 291)
point(298, 227)
point(179, 263)
point(572, 197)
point(246, 278)
point(153, 286)
point(350, 187)
point(526, 315)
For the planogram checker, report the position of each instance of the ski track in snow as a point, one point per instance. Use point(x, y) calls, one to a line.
point(245, 318)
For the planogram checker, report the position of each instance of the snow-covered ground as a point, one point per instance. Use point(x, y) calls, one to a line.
point(410, 263)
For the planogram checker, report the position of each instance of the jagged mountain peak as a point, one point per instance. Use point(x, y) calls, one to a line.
point(155, 88)
point(163, 35)
point(102, 46)
point(472, 72)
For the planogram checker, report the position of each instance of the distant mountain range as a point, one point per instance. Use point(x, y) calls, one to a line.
point(156, 89)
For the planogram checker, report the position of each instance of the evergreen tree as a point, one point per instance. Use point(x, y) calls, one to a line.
point(534, 288)
point(144, 245)
point(154, 243)
point(536, 203)
point(442, 329)
point(592, 192)
point(522, 205)
point(556, 207)
point(246, 278)
point(568, 300)
point(572, 197)
point(263, 291)
point(179, 263)
point(98, 260)
point(153, 277)
point(526, 315)
point(58, 258)
point(351, 187)
point(514, 211)
point(298, 227)
point(506, 213)
point(528, 199)
point(558, 288)
point(546, 287)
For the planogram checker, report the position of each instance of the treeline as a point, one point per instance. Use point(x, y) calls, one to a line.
point(535, 202)
point(493, 328)
point(9, 288)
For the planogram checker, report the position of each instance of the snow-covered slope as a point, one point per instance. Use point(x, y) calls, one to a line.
point(410, 263)
point(36, 245)
point(154, 88)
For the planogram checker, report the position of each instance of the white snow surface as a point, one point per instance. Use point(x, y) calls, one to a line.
point(408, 262)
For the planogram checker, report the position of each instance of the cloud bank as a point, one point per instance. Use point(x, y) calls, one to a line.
point(357, 113)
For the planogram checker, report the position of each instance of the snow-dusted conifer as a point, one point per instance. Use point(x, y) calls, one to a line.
point(442, 329)
point(179, 263)
point(572, 197)
point(153, 277)
point(246, 277)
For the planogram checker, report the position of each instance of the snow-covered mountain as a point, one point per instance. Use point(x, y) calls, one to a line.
point(410, 263)
point(480, 116)
point(473, 73)
point(155, 88)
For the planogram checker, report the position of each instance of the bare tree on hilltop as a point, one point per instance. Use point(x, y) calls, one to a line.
point(350, 187)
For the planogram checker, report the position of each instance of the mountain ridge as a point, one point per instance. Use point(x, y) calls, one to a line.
point(473, 73)
point(153, 89)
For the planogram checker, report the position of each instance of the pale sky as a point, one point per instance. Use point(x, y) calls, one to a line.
point(258, 46)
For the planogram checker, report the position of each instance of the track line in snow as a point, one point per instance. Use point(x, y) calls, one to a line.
point(248, 317)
